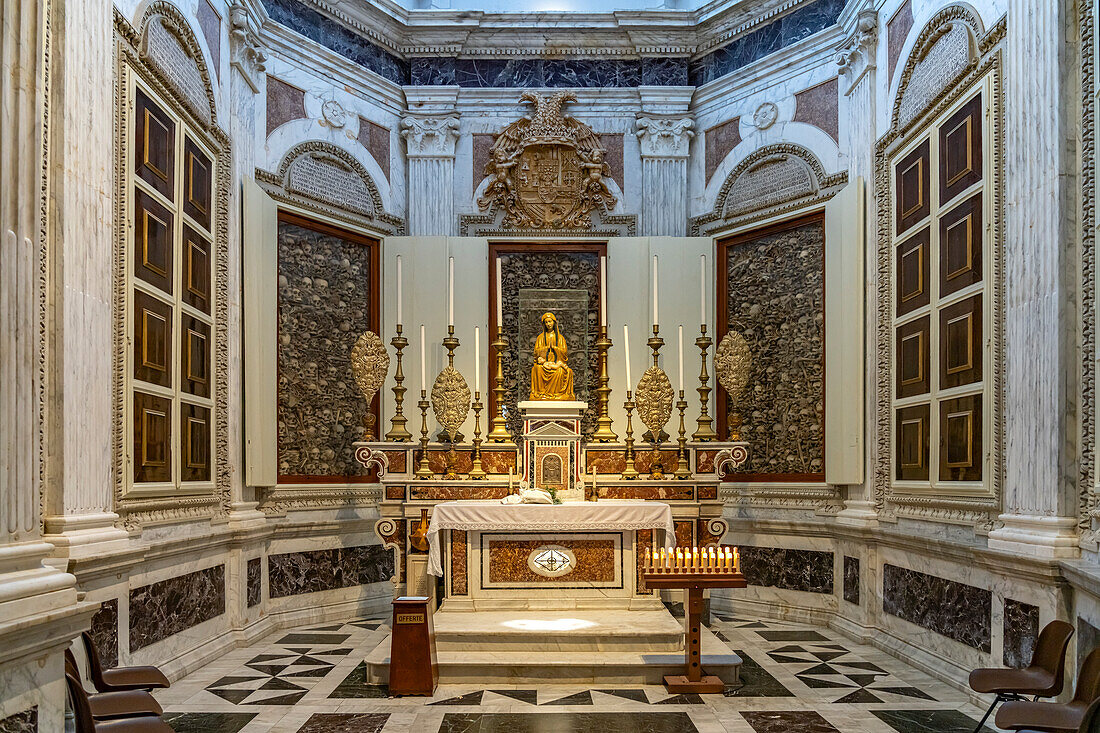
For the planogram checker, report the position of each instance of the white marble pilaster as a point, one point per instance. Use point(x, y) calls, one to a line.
point(430, 134)
point(1040, 261)
point(664, 130)
point(856, 62)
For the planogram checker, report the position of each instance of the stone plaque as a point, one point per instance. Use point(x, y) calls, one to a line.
point(774, 181)
point(164, 50)
point(942, 64)
point(330, 181)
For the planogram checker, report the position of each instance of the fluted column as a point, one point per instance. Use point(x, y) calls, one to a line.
point(430, 137)
point(1040, 502)
point(80, 484)
point(664, 140)
point(856, 62)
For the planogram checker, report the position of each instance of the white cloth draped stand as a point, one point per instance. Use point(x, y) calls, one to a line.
point(606, 514)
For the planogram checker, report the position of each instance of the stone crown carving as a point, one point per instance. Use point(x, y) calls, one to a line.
point(663, 137)
point(547, 169)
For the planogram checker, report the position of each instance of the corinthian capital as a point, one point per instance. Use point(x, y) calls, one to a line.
point(245, 54)
point(664, 136)
point(857, 54)
point(430, 136)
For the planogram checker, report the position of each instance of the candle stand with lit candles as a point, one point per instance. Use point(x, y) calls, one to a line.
point(695, 570)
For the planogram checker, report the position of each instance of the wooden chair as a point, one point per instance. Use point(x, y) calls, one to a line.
point(1052, 717)
point(108, 705)
point(121, 678)
point(86, 722)
point(1044, 677)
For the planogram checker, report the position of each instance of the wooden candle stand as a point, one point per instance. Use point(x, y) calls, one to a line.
point(694, 575)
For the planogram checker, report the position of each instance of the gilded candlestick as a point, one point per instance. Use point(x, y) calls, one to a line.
point(655, 342)
point(476, 471)
point(604, 433)
point(398, 432)
point(705, 431)
point(450, 343)
point(423, 470)
point(498, 432)
point(629, 472)
point(683, 468)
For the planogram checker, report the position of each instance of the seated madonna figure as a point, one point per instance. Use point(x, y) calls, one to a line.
point(551, 378)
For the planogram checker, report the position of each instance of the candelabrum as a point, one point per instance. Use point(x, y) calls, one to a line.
point(398, 432)
point(655, 342)
point(705, 431)
point(604, 433)
point(450, 410)
point(629, 471)
point(498, 426)
point(423, 470)
point(683, 469)
point(476, 471)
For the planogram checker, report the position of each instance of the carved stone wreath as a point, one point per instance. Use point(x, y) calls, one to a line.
point(732, 361)
point(654, 398)
point(370, 362)
point(450, 400)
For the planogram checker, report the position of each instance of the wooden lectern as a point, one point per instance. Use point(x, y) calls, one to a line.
point(694, 571)
point(413, 666)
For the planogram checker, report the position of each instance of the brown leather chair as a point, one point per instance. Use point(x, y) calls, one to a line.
point(86, 722)
point(1052, 717)
point(1043, 678)
point(121, 678)
point(107, 705)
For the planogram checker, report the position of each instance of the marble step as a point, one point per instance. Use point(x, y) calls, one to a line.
point(599, 667)
point(567, 631)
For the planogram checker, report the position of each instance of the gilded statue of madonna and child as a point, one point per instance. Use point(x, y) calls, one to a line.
point(551, 377)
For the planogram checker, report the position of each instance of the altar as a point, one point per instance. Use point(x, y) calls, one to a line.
point(577, 555)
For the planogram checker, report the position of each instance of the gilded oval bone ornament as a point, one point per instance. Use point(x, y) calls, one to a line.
point(370, 362)
point(654, 399)
point(450, 400)
point(732, 361)
point(547, 169)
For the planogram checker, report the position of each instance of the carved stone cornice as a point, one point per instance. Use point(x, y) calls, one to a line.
point(856, 56)
point(662, 136)
point(430, 135)
point(244, 45)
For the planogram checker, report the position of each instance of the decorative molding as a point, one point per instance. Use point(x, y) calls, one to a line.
point(1086, 488)
point(857, 55)
point(661, 136)
point(334, 114)
point(825, 500)
point(276, 502)
point(368, 457)
point(429, 135)
point(245, 54)
point(301, 181)
point(980, 512)
point(392, 533)
point(805, 184)
point(136, 512)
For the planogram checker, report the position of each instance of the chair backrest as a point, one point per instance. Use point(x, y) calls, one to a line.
point(82, 711)
point(1091, 722)
point(1050, 653)
point(95, 669)
point(1088, 682)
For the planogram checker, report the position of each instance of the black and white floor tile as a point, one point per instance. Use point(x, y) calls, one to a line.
point(794, 678)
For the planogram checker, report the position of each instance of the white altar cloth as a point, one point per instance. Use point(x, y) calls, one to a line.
point(606, 514)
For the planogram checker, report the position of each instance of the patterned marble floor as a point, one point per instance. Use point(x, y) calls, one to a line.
point(794, 678)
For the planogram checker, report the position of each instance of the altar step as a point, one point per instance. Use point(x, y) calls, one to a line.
point(565, 631)
point(485, 659)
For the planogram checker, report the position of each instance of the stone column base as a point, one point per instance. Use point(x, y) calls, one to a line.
point(1036, 536)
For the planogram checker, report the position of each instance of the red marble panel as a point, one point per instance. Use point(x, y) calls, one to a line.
point(605, 461)
point(508, 561)
point(396, 460)
point(643, 460)
point(685, 532)
point(483, 146)
point(458, 563)
point(613, 155)
point(376, 139)
point(897, 29)
point(704, 460)
point(707, 491)
point(284, 103)
point(498, 461)
point(719, 141)
point(818, 106)
point(668, 490)
point(395, 492)
point(437, 460)
point(644, 545)
point(706, 537)
point(455, 490)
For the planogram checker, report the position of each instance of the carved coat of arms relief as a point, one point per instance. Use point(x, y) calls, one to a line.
point(547, 169)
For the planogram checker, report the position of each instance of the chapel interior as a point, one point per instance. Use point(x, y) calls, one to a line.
point(536, 366)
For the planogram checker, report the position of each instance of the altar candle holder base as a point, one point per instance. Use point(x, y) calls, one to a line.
point(450, 473)
point(477, 473)
point(683, 468)
point(398, 431)
point(498, 426)
point(604, 433)
point(629, 471)
point(656, 467)
point(423, 470)
point(705, 431)
point(693, 581)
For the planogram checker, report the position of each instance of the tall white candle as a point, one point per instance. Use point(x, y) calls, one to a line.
point(500, 300)
point(423, 360)
point(655, 290)
point(702, 289)
point(450, 291)
point(398, 290)
point(680, 336)
point(477, 359)
point(603, 290)
point(626, 356)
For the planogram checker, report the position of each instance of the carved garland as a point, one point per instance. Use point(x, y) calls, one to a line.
point(131, 59)
point(981, 512)
point(278, 185)
point(823, 187)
